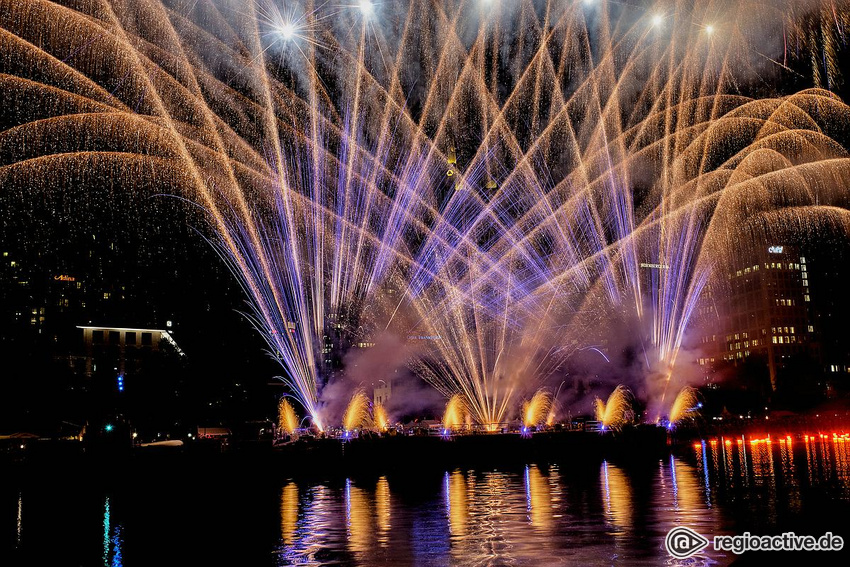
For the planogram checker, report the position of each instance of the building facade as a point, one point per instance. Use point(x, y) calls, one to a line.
point(763, 313)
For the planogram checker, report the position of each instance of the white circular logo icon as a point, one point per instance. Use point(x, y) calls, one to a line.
point(682, 542)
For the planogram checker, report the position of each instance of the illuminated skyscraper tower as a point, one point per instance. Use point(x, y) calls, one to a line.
point(766, 315)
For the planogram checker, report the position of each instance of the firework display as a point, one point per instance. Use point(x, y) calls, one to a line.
point(454, 417)
point(498, 184)
point(357, 413)
point(684, 406)
point(616, 411)
point(287, 418)
point(538, 410)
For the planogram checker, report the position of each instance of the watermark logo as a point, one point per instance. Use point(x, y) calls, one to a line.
point(682, 542)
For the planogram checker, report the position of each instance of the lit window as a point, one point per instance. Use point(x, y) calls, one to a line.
point(811, 328)
point(775, 340)
point(807, 297)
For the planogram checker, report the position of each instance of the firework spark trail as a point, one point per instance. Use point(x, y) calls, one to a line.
point(538, 410)
point(287, 418)
point(683, 406)
point(357, 413)
point(380, 419)
point(590, 141)
point(616, 412)
point(454, 416)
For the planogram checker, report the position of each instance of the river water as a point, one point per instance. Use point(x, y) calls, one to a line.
point(597, 512)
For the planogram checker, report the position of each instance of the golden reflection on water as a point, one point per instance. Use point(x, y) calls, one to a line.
point(487, 517)
point(382, 510)
point(761, 459)
point(810, 459)
point(789, 474)
point(539, 498)
point(786, 461)
point(288, 512)
point(771, 463)
point(827, 458)
point(842, 461)
point(729, 462)
point(715, 456)
point(742, 458)
point(687, 503)
point(458, 507)
point(616, 497)
point(817, 459)
point(358, 514)
point(492, 507)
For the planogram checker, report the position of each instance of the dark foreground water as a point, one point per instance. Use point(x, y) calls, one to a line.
point(577, 512)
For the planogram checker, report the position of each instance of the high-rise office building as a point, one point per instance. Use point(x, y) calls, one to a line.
point(764, 312)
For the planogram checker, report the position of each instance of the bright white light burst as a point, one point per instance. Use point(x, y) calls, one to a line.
point(287, 30)
point(366, 7)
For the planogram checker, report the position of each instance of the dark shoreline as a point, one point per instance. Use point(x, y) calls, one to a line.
point(378, 455)
point(394, 454)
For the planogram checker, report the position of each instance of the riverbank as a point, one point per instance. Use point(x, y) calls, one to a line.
point(379, 454)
